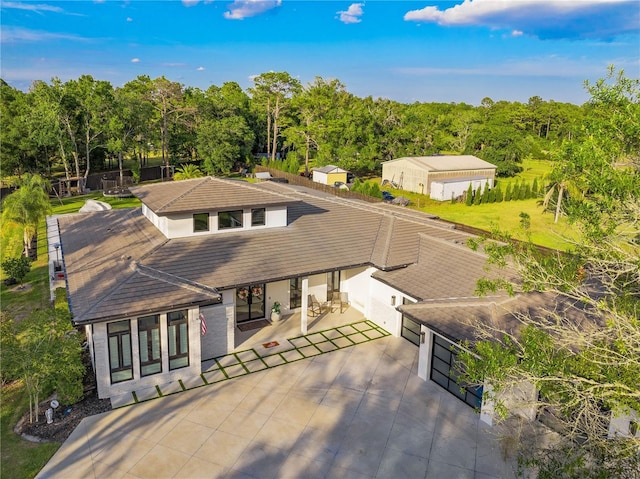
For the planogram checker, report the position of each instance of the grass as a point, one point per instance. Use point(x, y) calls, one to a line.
point(21, 459)
point(506, 215)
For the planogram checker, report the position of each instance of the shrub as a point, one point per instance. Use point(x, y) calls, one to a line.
point(16, 268)
point(468, 200)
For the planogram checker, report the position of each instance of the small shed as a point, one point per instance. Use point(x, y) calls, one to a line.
point(439, 176)
point(329, 175)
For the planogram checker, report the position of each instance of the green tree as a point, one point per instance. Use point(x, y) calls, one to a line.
point(477, 197)
point(27, 206)
point(16, 268)
point(273, 91)
point(187, 172)
point(468, 200)
point(589, 371)
point(44, 352)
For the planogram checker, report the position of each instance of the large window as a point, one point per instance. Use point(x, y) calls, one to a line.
point(149, 340)
point(257, 217)
point(230, 219)
point(444, 372)
point(200, 222)
point(178, 339)
point(120, 364)
point(295, 293)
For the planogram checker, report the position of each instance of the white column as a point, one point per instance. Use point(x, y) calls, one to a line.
point(424, 355)
point(305, 305)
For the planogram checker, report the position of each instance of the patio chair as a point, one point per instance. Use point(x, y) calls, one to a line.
point(315, 308)
point(344, 300)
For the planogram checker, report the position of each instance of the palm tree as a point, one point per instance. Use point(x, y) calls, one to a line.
point(27, 206)
point(565, 179)
point(187, 172)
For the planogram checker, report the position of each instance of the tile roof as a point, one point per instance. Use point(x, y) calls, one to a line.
point(200, 194)
point(458, 320)
point(446, 162)
point(112, 257)
point(444, 269)
point(100, 250)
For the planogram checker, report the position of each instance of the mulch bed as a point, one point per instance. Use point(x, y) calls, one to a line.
point(65, 419)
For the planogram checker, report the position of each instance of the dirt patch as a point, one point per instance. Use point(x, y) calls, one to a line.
point(22, 288)
point(65, 419)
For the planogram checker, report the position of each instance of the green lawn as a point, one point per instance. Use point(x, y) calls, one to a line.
point(504, 216)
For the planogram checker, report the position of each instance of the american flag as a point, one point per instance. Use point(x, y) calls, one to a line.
point(203, 324)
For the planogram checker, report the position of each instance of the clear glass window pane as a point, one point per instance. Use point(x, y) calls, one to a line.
point(258, 217)
point(200, 222)
point(144, 350)
point(126, 350)
point(230, 219)
point(114, 359)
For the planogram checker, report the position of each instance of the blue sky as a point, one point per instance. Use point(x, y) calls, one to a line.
point(427, 51)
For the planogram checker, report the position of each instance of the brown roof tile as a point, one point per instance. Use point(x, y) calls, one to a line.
point(202, 194)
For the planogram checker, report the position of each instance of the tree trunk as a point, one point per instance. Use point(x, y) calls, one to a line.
point(276, 114)
point(120, 168)
point(559, 202)
point(268, 128)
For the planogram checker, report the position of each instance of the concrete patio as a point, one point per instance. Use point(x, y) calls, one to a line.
point(356, 412)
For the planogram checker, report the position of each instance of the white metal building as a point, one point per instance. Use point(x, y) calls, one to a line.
point(441, 176)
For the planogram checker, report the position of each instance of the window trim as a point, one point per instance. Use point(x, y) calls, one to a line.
point(231, 218)
point(120, 343)
point(176, 323)
point(264, 217)
point(149, 345)
point(200, 220)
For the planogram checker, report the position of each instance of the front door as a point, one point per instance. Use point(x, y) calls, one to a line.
point(250, 302)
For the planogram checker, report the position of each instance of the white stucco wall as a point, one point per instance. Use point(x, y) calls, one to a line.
point(356, 283)
point(181, 225)
point(278, 291)
point(380, 309)
point(220, 336)
point(101, 349)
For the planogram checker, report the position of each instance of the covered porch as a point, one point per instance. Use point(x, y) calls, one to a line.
point(263, 339)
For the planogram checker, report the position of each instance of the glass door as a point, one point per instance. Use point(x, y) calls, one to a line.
point(250, 302)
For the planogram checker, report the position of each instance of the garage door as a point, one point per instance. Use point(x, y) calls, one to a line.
point(443, 372)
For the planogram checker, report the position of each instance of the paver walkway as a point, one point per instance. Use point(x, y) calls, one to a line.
point(357, 412)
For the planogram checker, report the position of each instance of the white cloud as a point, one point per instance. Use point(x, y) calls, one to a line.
point(33, 7)
point(241, 9)
point(544, 19)
point(13, 34)
point(190, 3)
point(352, 14)
point(517, 33)
point(201, 69)
point(135, 60)
point(129, 19)
point(171, 65)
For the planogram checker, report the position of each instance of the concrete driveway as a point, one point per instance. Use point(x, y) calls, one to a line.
point(359, 412)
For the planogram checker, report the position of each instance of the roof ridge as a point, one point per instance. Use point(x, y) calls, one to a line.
point(171, 278)
point(199, 182)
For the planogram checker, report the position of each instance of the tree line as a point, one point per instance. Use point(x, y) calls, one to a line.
point(82, 125)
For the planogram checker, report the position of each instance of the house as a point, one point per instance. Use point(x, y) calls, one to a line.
point(441, 177)
point(140, 281)
point(330, 175)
